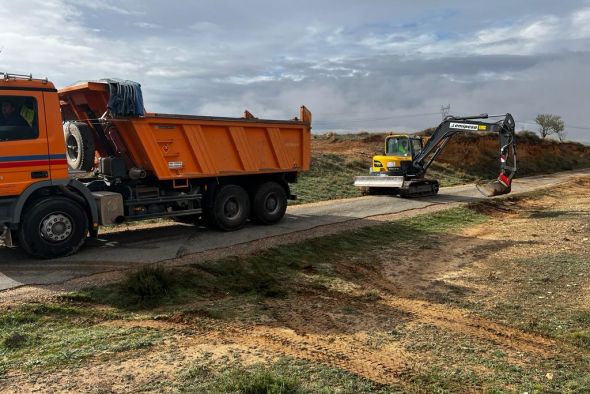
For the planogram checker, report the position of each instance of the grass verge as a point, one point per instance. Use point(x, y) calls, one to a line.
point(270, 273)
point(45, 336)
point(284, 376)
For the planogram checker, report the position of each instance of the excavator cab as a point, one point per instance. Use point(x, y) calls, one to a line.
point(400, 151)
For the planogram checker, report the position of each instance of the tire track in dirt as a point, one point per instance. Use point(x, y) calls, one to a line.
point(461, 322)
point(379, 365)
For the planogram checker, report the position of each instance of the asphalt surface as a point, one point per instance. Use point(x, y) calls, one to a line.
point(164, 241)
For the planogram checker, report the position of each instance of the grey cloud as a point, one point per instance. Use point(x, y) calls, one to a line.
point(357, 65)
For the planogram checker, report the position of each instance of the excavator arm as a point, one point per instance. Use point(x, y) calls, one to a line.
point(455, 125)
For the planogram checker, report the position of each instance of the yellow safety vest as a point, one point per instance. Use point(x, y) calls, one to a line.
point(28, 114)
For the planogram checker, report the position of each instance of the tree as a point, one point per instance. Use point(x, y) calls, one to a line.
point(559, 128)
point(550, 124)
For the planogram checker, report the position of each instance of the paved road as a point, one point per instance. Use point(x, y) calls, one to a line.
point(164, 241)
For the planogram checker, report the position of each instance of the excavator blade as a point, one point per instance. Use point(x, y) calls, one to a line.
point(493, 188)
point(379, 181)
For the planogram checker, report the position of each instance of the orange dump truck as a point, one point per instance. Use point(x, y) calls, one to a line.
point(88, 155)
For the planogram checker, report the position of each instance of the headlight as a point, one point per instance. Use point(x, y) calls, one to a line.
point(391, 164)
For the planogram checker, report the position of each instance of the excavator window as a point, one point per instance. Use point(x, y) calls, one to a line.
point(18, 118)
point(398, 146)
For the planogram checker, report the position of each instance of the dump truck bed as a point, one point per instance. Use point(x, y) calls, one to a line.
point(173, 146)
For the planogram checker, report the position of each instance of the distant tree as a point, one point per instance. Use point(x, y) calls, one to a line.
point(559, 128)
point(550, 124)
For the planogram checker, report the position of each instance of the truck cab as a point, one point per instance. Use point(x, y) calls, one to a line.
point(37, 195)
point(31, 136)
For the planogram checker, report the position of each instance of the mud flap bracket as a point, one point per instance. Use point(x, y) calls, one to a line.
point(7, 237)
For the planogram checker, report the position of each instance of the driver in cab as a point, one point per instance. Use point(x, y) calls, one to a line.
point(403, 147)
point(9, 116)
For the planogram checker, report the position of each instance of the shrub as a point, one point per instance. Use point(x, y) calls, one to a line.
point(149, 283)
point(15, 340)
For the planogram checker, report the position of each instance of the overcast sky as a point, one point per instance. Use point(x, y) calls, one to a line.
point(358, 65)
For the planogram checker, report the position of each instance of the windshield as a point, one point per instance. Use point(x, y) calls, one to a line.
point(18, 118)
point(398, 146)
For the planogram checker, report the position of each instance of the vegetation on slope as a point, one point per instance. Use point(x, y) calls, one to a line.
point(338, 158)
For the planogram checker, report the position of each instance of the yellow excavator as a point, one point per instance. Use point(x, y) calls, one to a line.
point(402, 169)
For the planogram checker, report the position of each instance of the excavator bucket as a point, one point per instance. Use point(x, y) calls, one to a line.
point(493, 188)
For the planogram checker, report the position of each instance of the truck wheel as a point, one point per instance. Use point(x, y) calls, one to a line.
point(80, 146)
point(269, 203)
point(53, 227)
point(231, 208)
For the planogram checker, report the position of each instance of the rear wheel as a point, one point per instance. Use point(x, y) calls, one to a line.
point(53, 227)
point(231, 208)
point(80, 146)
point(269, 203)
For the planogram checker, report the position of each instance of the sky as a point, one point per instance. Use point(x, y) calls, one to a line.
point(371, 65)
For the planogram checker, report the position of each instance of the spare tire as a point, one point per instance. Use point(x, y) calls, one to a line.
point(80, 146)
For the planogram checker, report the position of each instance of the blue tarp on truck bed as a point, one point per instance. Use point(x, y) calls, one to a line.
point(125, 98)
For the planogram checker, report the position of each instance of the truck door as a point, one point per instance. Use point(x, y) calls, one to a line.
point(24, 156)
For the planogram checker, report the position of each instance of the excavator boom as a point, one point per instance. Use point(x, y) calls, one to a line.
point(454, 125)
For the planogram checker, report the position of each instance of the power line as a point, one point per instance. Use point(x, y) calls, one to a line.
point(444, 111)
point(531, 123)
point(374, 119)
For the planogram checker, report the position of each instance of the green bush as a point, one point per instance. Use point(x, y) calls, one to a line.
point(149, 283)
point(15, 340)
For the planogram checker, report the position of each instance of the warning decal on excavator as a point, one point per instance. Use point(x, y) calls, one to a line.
point(464, 126)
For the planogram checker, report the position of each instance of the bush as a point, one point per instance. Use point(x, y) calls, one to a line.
point(528, 135)
point(15, 340)
point(149, 283)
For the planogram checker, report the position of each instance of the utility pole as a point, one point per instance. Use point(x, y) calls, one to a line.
point(444, 110)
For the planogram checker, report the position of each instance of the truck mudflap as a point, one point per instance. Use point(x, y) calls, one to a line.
point(6, 237)
point(379, 181)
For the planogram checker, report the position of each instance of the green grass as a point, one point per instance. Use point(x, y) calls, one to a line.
point(458, 363)
point(330, 177)
point(270, 273)
point(544, 297)
point(284, 376)
point(44, 336)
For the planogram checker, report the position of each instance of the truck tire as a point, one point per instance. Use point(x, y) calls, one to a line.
point(269, 203)
point(53, 227)
point(80, 146)
point(231, 208)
